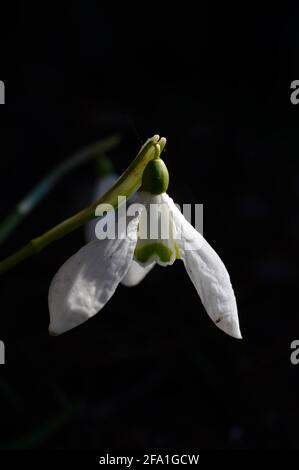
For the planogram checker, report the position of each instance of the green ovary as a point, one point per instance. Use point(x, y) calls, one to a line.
point(144, 253)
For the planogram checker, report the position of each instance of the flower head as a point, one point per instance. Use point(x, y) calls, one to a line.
point(156, 232)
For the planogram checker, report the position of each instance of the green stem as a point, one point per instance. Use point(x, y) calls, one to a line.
point(126, 185)
point(43, 187)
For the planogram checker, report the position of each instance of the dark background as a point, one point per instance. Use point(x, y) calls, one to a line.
point(151, 371)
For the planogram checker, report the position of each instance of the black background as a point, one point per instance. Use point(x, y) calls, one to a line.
point(151, 371)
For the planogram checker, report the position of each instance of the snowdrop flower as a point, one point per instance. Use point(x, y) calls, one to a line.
point(85, 283)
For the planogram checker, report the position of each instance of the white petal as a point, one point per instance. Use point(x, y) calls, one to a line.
point(136, 274)
point(208, 274)
point(85, 283)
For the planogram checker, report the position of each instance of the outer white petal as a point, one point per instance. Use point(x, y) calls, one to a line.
point(208, 274)
point(85, 283)
point(136, 274)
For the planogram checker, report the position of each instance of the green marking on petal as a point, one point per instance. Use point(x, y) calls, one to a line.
point(177, 251)
point(144, 253)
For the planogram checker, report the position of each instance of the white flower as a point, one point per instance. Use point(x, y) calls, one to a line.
point(85, 283)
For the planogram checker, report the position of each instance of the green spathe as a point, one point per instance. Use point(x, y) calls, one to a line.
point(155, 179)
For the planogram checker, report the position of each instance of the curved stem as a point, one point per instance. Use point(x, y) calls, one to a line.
point(126, 185)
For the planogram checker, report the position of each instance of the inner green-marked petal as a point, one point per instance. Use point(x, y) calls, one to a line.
point(144, 253)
